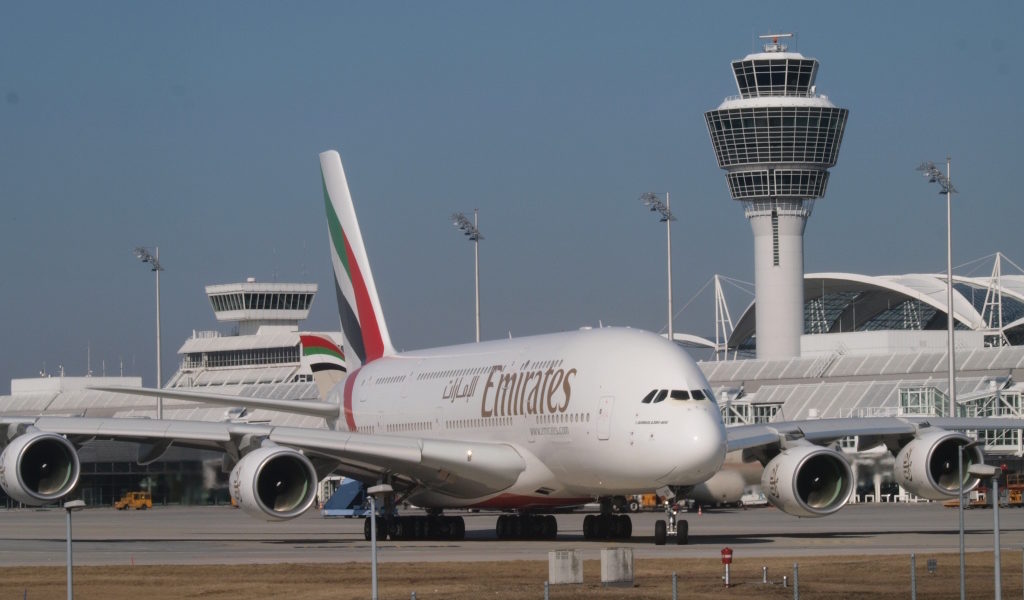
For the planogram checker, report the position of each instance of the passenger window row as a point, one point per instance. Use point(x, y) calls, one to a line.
point(656, 396)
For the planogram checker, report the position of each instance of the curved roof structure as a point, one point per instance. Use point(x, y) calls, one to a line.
point(848, 302)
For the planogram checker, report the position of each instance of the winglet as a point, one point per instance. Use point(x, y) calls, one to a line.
point(362, 320)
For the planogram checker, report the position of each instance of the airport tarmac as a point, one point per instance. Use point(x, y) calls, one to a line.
point(223, 535)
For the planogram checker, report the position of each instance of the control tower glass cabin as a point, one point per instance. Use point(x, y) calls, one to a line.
point(776, 141)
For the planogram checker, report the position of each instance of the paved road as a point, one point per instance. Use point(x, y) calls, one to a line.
point(190, 535)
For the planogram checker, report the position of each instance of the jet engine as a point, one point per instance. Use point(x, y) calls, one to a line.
point(724, 487)
point(38, 468)
point(274, 483)
point(927, 466)
point(808, 481)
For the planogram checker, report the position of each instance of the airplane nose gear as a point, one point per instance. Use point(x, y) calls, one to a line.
point(663, 528)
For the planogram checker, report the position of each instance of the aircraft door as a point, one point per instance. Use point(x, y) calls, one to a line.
point(604, 417)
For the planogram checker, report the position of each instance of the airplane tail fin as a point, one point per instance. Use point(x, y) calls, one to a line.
point(325, 359)
point(362, 320)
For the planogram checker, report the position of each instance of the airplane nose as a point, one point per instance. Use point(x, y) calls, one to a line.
point(701, 448)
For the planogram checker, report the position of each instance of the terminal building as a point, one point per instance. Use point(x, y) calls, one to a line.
point(877, 345)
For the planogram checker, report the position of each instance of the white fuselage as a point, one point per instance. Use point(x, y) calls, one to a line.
point(570, 403)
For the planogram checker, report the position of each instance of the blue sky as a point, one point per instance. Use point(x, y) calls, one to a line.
point(196, 127)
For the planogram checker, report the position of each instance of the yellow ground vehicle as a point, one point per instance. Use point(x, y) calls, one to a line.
point(639, 502)
point(136, 500)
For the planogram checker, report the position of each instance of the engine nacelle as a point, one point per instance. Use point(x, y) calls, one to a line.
point(927, 466)
point(808, 481)
point(274, 483)
point(724, 487)
point(39, 468)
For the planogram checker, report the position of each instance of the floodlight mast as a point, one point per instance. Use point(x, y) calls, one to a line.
point(934, 175)
point(143, 254)
point(654, 204)
point(472, 232)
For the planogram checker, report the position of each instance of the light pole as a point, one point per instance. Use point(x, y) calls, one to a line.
point(654, 203)
point(472, 232)
point(934, 175)
point(70, 507)
point(377, 490)
point(984, 471)
point(154, 260)
point(960, 507)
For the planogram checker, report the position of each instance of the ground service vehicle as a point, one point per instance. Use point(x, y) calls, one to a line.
point(136, 500)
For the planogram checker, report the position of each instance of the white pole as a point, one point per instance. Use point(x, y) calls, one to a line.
point(476, 263)
point(373, 545)
point(159, 372)
point(949, 293)
point(668, 229)
point(960, 507)
point(995, 541)
point(71, 593)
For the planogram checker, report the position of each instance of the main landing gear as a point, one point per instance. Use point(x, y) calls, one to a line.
point(670, 526)
point(432, 526)
point(526, 527)
point(607, 525)
point(429, 527)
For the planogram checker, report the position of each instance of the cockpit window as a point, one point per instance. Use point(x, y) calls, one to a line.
point(650, 396)
point(680, 395)
point(661, 396)
point(698, 394)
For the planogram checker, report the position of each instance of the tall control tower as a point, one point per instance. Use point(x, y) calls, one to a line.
point(776, 142)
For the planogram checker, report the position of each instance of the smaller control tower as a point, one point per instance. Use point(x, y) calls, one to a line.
point(254, 305)
point(776, 142)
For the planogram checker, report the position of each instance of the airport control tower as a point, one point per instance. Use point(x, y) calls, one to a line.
point(776, 142)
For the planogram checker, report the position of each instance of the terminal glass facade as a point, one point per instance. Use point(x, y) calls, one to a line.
point(243, 358)
point(923, 401)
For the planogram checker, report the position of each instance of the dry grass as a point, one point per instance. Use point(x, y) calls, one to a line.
point(823, 577)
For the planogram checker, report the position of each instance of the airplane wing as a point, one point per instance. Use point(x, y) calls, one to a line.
point(806, 475)
point(326, 410)
point(872, 430)
point(458, 469)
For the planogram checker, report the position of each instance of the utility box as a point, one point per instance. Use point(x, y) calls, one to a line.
point(565, 566)
point(617, 566)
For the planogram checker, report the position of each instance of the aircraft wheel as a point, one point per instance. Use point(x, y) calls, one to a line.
point(626, 528)
point(458, 528)
point(634, 506)
point(501, 528)
point(682, 532)
point(551, 529)
point(516, 528)
point(588, 527)
point(660, 532)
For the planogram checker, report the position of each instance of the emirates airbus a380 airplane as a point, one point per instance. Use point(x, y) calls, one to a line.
point(524, 426)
